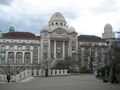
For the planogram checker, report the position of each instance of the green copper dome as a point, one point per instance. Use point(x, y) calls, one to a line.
point(11, 29)
point(0, 34)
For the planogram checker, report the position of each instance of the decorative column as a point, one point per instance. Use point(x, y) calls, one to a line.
point(15, 57)
point(42, 49)
point(38, 54)
point(31, 57)
point(49, 52)
point(23, 55)
point(54, 48)
point(69, 48)
point(63, 49)
point(6, 57)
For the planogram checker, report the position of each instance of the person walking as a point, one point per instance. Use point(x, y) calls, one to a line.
point(106, 74)
point(46, 72)
point(8, 78)
point(114, 75)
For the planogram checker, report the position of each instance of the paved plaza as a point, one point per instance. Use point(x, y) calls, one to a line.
point(73, 82)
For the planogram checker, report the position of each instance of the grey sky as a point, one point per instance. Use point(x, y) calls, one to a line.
point(86, 16)
point(6, 2)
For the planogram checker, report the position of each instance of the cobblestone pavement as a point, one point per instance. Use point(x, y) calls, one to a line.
point(73, 82)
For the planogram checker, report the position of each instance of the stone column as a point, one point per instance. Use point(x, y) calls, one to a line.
point(6, 57)
point(15, 57)
point(69, 48)
point(42, 49)
point(49, 47)
point(38, 54)
point(54, 48)
point(31, 57)
point(63, 49)
point(23, 53)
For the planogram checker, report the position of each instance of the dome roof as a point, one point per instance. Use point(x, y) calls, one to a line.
point(108, 27)
point(11, 29)
point(72, 29)
point(57, 17)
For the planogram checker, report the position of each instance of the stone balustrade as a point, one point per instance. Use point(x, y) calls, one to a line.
point(23, 75)
point(50, 72)
point(28, 73)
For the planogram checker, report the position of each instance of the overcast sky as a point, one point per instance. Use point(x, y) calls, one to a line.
point(86, 16)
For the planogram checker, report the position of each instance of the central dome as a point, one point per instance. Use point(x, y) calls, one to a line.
point(57, 17)
point(108, 28)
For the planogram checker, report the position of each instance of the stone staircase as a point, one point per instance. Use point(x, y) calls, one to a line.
point(19, 77)
point(27, 74)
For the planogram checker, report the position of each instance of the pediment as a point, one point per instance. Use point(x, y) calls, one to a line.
point(59, 31)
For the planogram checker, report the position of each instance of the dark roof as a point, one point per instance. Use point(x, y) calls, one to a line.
point(20, 35)
point(38, 37)
point(90, 38)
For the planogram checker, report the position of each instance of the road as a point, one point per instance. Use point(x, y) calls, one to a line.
point(73, 82)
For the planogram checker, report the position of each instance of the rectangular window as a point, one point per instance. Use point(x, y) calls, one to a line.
point(45, 47)
point(35, 48)
point(11, 47)
point(27, 48)
point(3, 47)
point(45, 55)
point(19, 47)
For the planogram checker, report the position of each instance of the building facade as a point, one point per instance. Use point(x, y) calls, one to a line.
point(92, 51)
point(57, 40)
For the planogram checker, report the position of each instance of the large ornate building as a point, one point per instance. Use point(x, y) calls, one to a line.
point(56, 41)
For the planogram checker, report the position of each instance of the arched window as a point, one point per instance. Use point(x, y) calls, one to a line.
point(52, 23)
point(45, 34)
point(11, 47)
point(64, 24)
point(27, 58)
point(10, 57)
point(56, 23)
point(61, 24)
point(19, 56)
point(7, 42)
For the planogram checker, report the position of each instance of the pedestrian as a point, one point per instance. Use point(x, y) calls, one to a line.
point(106, 74)
point(114, 75)
point(46, 72)
point(8, 78)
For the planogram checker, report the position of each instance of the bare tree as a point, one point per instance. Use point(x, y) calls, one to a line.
point(68, 61)
point(79, 61)
point(91, 56)
point(115, 53)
